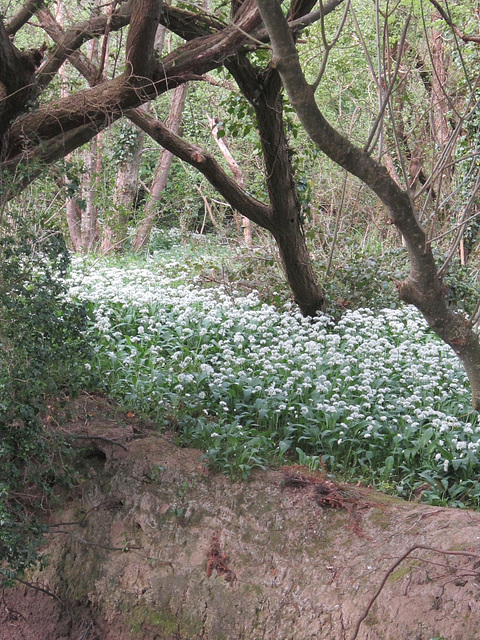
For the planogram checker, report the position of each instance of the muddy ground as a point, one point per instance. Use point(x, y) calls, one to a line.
point(151, 545)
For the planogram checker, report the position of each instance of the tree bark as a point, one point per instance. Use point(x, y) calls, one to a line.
point(264, 92)
point(163, 169)
point(423, 287)
point(242, 221)
point(23, 15)
point(55, 30)
point(74, 222)
point(140, 47)
point(77, 35)
point(17, 79)
point(114, 229)
point(52, 131)
point(89, 215)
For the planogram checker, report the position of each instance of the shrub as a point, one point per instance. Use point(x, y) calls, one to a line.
point(43, 352)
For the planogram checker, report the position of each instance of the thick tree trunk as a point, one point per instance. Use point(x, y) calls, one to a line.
point(264, 92)
point(423, 287)
point(298, 269)
point(163, 169)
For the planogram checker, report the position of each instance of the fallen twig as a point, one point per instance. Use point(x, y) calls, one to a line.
point(392, 569)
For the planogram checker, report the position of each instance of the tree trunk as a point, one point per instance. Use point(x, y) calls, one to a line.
point(74, 222)
point(89, 217)
point(243, 221)
point(264, 92)
point(163, 168)
point(72, 210)
point(423, 287)
point(114, 230)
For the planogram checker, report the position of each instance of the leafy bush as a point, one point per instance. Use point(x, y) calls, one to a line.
point(43, 351)
point(365, 280)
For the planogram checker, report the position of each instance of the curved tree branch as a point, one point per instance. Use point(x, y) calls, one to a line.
point(423, 288)
point(197, 157)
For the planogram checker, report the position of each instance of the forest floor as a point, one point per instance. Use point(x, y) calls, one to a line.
point(150, 544)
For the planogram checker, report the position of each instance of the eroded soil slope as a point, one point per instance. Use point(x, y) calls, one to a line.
point(151, 545)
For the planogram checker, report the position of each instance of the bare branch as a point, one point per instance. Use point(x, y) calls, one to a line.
point(389, 91)
point(392, 569)
point(23, 15)
point(452, 26)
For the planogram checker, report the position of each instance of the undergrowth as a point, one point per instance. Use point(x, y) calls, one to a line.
point(374, 396)
point(42, 354)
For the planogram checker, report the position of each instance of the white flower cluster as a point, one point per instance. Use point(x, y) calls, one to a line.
point(371, 378)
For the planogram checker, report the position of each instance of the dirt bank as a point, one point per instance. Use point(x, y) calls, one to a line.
point(152, 546)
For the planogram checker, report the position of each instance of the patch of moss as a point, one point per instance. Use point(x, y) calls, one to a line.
point(402, 572)
point(76, 578)
point(380, 518)
point(255, 588)
point(144, 617)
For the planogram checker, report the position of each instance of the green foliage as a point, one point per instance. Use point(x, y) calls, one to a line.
point(462, 283)
point(374, 395)
point(240, 120)
point(126, 142)
point(365, 280)
point(42, 352)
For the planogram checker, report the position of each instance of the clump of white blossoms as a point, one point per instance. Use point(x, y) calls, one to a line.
point(372, 394)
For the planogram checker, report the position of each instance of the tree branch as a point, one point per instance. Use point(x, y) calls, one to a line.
point(23, 15)
point(392, 569)
point(253, 209)
point(76, 58)
point(452, 26)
